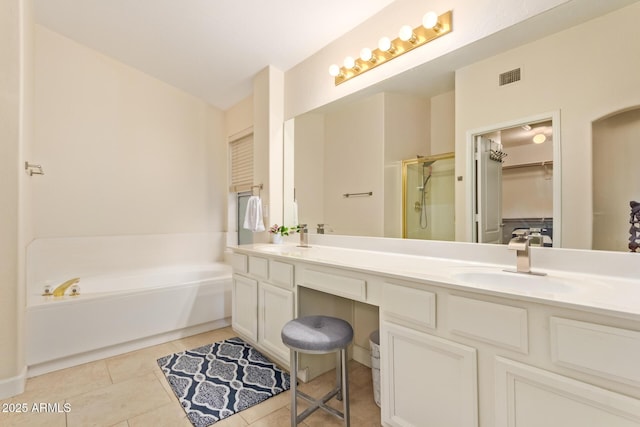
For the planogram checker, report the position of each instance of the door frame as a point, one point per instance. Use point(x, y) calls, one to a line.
point(471, 186)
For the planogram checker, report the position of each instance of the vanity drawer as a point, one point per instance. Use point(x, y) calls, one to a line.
point(605, 351)
point(239, 263)
point(415, 306)
point(281, 274)
point(498, 324)
point(259, 267)
point(335, 283)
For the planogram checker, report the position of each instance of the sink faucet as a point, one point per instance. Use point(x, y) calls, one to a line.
point(521, 245)
point(60, 289)
point(304, 236)
point(523, 257)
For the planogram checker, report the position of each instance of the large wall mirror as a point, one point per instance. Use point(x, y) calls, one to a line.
point(346, 161)
point(383, 166)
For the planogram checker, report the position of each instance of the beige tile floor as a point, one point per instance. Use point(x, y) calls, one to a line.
point(130, 391)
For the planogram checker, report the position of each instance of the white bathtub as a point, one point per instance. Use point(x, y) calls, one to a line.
point(119, 312)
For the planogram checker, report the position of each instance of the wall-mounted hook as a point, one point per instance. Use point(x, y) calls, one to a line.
point(33, 169)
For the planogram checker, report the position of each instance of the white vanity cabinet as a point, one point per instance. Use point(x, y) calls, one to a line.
point(244, 312)
point(275, 308)
point(451, 354)
point(454, 358)
point(263, 301)
point(426, 380)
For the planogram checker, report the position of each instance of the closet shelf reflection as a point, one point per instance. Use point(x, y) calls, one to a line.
point(526, 165)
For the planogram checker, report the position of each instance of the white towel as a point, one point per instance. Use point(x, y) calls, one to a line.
point(295, 213)
point(253, 215)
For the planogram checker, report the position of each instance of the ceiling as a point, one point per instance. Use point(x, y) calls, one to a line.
point(520, 135)
point(211, 49)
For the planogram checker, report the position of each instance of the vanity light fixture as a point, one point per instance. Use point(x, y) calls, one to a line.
point(406, 34)
point(431, 21)
point(367, 55)
point(335, 71)
point(350, 64)
point(433, 26)
point(386, 45)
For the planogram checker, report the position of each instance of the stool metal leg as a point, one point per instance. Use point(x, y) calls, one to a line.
point(339, 374)
point(294, 380)
point(345, 386)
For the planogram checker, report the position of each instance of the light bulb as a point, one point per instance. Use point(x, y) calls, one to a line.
point(406, 33)
point(430, 20)
point(539, 138)
point(349, 62)
point(366, 54)
point(384, 44)
point(334, 70)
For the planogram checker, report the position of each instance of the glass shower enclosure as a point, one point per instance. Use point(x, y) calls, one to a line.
point(428, 198)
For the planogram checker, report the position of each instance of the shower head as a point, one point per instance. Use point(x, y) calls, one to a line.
point(428, 163)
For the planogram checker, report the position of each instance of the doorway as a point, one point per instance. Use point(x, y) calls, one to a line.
point(514, 171)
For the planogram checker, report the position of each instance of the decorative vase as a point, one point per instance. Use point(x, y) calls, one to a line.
point(276, 238)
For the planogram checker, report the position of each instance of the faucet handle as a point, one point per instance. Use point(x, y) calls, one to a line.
point(519, 243)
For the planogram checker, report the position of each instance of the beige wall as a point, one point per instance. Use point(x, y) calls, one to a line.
point(584, 72)
point(357, 149)
point(443, 123)
point(16, 120)
point(309, 169)
point(239, 118)
point(9, 161)
point(123, 152)
point(353, 163)
point(308, 84)
point(268, 89)
point(25, 202)
point(616, 150)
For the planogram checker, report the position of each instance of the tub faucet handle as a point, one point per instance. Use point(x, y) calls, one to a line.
point(61, 289)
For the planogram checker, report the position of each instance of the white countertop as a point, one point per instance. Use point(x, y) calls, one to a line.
point(595, 293)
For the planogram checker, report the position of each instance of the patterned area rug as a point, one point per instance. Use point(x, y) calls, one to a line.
point(217, 380)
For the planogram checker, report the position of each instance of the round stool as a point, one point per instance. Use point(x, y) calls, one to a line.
point(319, 335)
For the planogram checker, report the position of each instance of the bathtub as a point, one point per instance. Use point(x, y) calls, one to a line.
point(117, 312)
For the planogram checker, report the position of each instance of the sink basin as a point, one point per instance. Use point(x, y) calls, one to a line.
point(515, 281)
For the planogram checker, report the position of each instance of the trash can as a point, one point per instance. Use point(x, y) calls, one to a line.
point(374, 344)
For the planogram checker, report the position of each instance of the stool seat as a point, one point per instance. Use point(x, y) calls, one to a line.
point(319, 335)
point(322, 334)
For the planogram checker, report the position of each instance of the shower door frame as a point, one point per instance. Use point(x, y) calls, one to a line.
point(409, 162)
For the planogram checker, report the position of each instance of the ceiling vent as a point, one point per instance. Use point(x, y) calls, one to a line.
point(509, 77)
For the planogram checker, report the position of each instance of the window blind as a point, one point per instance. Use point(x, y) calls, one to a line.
point(241, 164)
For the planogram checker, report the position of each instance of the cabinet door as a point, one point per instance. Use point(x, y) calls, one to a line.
point(529, 397)
point(275, 308)
point(426, 380)
point(244, 316)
